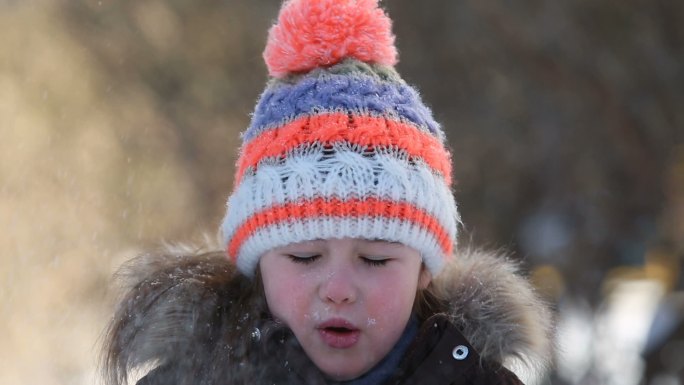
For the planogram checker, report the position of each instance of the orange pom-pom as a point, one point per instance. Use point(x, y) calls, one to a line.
point(316, 33)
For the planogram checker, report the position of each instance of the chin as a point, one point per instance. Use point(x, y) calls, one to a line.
point(343, 375)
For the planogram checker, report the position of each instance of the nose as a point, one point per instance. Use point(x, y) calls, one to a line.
point(338, 287)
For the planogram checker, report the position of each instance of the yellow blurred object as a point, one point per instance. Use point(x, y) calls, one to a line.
point(549, 281)
point(660, 266)
point(664, 267)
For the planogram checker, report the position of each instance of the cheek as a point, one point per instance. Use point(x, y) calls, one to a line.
point(286, 296)
point(392, 297)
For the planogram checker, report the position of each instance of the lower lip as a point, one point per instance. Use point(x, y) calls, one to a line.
point(339, 340)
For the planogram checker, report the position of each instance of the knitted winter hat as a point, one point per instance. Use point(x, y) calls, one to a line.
point(339, 145)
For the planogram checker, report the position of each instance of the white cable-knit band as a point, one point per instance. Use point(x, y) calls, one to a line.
point(344, 175)
point(391, 230)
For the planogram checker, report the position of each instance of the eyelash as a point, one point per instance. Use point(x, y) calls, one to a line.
point(303, 260)
point(311, 259)
point(375, 262)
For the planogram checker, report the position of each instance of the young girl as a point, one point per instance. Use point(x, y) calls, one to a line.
point(339, 237)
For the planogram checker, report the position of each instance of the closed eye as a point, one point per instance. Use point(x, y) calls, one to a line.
point(303, 258)
point(374, 261)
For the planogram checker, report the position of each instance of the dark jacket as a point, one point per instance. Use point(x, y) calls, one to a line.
point(441, 355)
point(197, 321)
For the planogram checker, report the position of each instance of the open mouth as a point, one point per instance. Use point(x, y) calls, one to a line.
point(339, 334)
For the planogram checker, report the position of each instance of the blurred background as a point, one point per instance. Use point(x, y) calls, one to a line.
point(120, 120)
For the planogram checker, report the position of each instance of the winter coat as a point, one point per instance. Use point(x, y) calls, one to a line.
point(198, 321)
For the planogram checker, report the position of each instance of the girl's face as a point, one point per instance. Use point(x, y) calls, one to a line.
point(346, 300)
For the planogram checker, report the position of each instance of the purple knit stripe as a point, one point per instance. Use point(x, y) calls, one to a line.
point(283, 102)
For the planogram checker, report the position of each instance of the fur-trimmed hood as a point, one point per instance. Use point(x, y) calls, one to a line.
point(195, 311)
point(498, 310)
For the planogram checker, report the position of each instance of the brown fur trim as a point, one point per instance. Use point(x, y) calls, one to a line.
point(185, 311)
point(498, 310)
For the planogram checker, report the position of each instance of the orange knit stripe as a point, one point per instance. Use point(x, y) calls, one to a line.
point(362, 130)
point(334, 207)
